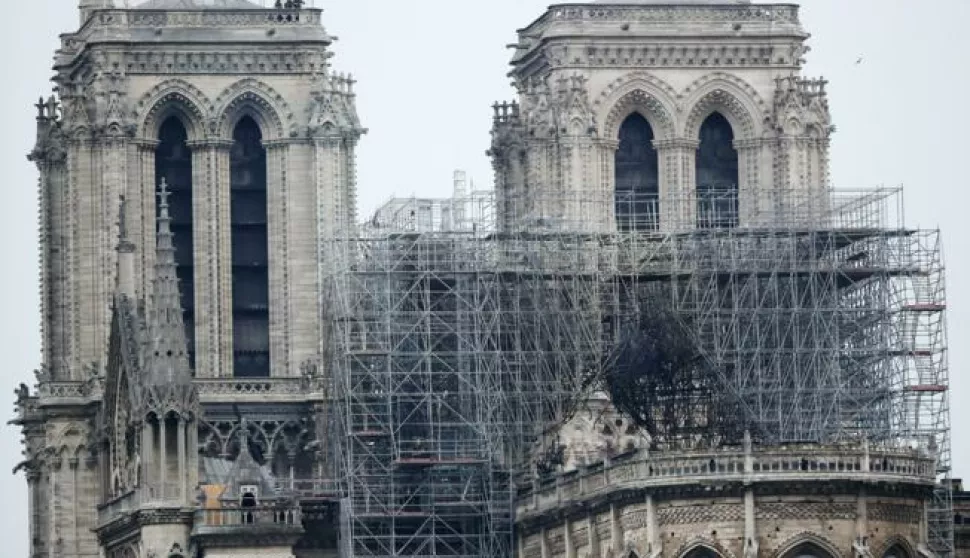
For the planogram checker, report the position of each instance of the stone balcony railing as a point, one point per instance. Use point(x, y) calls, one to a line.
point(119, 506)
point(205, 18)
point(795, 464)
point(228, 520)
point(149, 496)
point(621, 12)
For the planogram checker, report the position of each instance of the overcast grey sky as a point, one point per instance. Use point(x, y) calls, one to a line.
point(428, 71)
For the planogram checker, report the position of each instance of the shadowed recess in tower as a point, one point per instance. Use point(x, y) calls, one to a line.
point(173, 165)
point(250, 272)
point(637, 178)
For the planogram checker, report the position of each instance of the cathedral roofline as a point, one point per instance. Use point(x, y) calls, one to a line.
point(622, 23)
point(674, 12)
point(196, 26)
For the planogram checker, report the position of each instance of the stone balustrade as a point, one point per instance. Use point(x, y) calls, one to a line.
point(202, 18)
point(118, 506)
point(326, 489)
point(666, 12)
point(809, 463)
point(210, 521)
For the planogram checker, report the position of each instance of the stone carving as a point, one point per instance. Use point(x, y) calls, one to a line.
point(596, 432)
point(244, 62)
point(700, 514)
point(332, 111)
point(646, 104)
point(263, 102)
point(730, 94)
point(789, 511)
point(559, 109)
point(171, 94)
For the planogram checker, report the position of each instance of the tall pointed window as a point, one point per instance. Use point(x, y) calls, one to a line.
point(717, 175)
point(250, 271)
point(173, 163)
point(637, 179)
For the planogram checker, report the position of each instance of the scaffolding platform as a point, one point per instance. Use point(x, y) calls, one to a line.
point(821, 315)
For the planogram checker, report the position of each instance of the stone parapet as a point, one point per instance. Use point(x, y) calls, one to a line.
point(792, 464)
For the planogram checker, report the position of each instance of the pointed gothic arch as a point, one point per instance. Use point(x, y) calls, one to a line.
point(808, 545)
point(172, 98)
point(703, 547)
point(636, 98)
point(733, 97)
point(257, 100)
point(897, 547)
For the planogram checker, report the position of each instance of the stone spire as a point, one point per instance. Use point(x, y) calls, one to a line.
point(168, 377)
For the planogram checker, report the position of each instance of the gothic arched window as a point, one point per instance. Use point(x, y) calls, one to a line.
point(702, 552)
point(250, 271)
point(637, 178)
point(896, 551)
point(808, 550)
point(717, 175)
point(173, 163)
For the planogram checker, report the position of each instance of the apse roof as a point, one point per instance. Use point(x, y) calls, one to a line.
point(198, 5)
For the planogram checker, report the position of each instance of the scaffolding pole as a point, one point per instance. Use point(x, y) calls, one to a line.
point(458, 348)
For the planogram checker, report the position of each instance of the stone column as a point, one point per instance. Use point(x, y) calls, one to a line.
point(141, 216)
point(278, 253)
point(654, 544)
point(193, 456)
point(147, 440)
point(73, 463)
point(212, 257)
point(163, 458)
point(754, 199)
point(616, 530)
point(607, 182)
point(181, 442)
point(33, 477)
point(568, 534)
point(677, 159)
point(52, 505)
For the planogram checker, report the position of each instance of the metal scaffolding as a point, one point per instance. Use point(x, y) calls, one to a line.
point(456, 348)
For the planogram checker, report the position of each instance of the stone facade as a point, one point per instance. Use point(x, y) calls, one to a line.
point(143, 439)
point(582, 70)
point(119, 79)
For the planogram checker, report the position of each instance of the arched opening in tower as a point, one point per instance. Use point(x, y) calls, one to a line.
point(250, 270)
point(637, 177)
point(173, 163)
point(717, 175)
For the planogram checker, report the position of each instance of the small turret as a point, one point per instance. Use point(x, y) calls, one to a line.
point(87, 7)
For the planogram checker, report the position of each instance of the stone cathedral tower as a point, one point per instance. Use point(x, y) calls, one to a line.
point(231, 143)
point(734, 134)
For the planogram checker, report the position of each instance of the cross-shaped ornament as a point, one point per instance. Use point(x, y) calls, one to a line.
point(163, 194)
